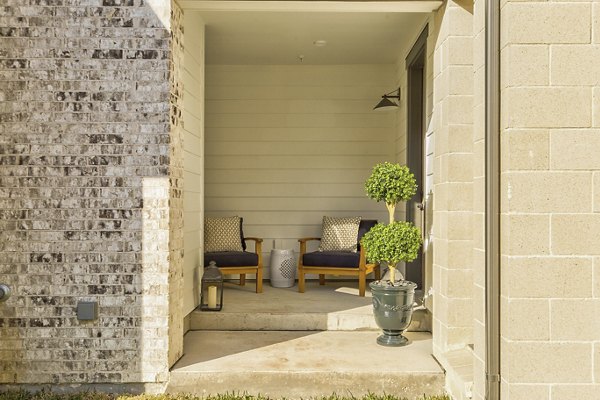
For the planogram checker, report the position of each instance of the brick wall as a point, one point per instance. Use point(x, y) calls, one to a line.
point(89, 164)
point(176, 233)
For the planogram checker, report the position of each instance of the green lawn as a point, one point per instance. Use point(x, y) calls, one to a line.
point(49, 395)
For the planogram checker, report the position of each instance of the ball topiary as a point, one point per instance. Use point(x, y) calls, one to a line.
point(397, 241)
point(391, 183)
point(392, 243)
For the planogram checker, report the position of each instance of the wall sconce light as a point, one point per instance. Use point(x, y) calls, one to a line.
point(386, 104)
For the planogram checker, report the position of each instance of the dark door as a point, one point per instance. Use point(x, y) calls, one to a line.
point(416, 126)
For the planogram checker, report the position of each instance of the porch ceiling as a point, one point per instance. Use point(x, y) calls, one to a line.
point(313, 5)
point(283, 32)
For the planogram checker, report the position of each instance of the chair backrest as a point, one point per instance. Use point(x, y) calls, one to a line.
point(364, 227)
point(242, 233)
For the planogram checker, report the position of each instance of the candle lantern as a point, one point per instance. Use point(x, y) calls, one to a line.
point(211, 288)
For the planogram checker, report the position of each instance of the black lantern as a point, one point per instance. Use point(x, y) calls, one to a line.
point(212, 288)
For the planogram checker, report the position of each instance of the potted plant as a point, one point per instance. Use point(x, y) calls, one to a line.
point(392, 243)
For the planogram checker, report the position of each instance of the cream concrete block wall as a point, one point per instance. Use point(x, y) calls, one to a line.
point(288, 144)
point(550, 305)
point(453, 178)
point(193, 146)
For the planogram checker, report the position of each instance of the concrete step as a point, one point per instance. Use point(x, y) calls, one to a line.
point(334, 307)
point(300, 364)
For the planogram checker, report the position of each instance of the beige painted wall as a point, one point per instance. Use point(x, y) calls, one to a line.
point(193, 197)
point(550, 204)
point(286, 145)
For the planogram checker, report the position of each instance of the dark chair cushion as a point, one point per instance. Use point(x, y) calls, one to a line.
point(343, 259)
point(231, 258)
point(365, 226)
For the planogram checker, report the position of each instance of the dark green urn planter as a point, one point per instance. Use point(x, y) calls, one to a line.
point(393, 308)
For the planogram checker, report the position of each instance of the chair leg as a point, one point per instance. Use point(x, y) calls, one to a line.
point(301, 280)
point(259, 279)
point(378, 272)
point(242, 279)
point(321, 279)
point(362, 283)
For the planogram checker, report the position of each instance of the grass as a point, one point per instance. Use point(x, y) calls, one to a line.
point(49, 395)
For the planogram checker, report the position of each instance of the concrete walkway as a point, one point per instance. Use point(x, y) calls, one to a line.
point(305, 364)
point(282, 343)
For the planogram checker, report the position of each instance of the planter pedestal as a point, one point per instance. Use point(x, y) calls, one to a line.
point(392, 338)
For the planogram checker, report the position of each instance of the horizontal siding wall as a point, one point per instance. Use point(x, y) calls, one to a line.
point(193, 197)
point(286, 145)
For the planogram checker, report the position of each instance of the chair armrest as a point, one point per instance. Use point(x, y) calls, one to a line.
point(257, 247)
point(363, 257)
point(362, 263)
point(303, 245)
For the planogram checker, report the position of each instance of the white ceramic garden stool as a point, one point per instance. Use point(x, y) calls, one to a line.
point(283, 268)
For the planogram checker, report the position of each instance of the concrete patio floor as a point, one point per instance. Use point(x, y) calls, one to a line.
point(282, 343)
point(334, 306)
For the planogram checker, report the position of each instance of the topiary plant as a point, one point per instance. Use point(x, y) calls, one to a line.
point(392, 243)
point(397, 241)
point(391, 183)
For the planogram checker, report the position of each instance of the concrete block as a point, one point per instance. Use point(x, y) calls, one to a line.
point(574, 320)
point(526, 149)
point(460, 50)
point(596, 23)
point(525, 65)
point(460, 167)
point(460, 138)
point(548, 107)
point(579, 392)
point(459, 254)
point(596, 278)
point(596, 362)
point(546, 22)
point(526, 319)
point(459, 283)
point(575, 65)
point(548, 277)
point(460, 196)
point(460, 225)
point(544, 192)
point(596, 107)
point(460, 79)
point(575, 149)
point(535, 362)
point(460, 109)
point(526, 234)
point(575, 234)
point(527, 392)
